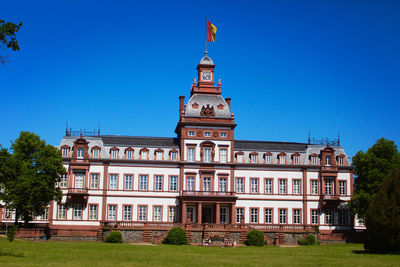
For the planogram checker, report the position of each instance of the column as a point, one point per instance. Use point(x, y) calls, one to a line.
point(217, 211)
point(233, 213)
point(183, 213)
point(199, 213)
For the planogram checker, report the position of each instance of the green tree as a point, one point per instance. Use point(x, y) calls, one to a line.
point(371, 168)
point(29, 176)
point(8, 38)
point(383, 217)
point(176, 236)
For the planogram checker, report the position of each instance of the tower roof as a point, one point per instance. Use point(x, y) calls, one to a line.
point(206, 60)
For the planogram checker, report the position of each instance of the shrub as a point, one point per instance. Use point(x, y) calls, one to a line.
point(254, 238)
point(176, 236)
point(309, 240)
point(114, 237)
point(383, 218)
point(11, 233)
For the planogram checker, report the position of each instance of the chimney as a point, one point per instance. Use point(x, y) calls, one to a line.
point(228, 101)
point(181, 105)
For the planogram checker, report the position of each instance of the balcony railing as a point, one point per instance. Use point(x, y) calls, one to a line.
point(78, 191)
point(207, 193)
point(329, 197)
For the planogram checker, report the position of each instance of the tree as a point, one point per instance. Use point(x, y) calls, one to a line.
point(371, 169)
point(176, 236)
point(254, 238)
point(8, 39)
point(29, 176)
point(383, 217)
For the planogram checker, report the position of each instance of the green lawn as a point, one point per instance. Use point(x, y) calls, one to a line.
point(54, 253)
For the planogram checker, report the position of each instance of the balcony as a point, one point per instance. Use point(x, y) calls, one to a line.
point(210, 196)
point(77, 195)
point(330, 201)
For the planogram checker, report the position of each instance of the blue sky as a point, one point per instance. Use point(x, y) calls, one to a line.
point(290, 67)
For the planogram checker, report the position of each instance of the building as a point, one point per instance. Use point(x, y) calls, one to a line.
point(203, 180)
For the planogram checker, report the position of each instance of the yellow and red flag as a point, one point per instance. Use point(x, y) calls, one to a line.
point(211, 32)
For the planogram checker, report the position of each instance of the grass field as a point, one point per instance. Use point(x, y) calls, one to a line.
point(27, 253)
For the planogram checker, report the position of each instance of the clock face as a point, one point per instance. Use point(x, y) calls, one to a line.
point(206, 75)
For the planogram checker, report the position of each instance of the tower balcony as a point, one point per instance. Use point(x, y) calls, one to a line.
point(77, 195)
point(210, 196)
point(329, 201)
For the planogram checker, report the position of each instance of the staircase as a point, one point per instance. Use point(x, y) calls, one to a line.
point(100, 234)
point(242, 236)
point(280, 238)
point(146, 236)
point(189, 235)
point(227, 236)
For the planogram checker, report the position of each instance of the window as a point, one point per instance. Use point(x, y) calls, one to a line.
point(80, 153)
point(239, 185)
point(113, 181)
point(314, 160)
point(282, 186)
point(190, 183)
point(62, 212)
point(114, 154)
point(282, 159)
point(92, 212)
point(328, 160)
point(222, 184)
point(173, 183)
point(268, 159)
point(157, 214)
point(328, 187)
point(142, 213)
point(342, 188)
point(223, 215)
point(223, 134)
point(172, 216)
point(254, 215)
point(254, 158)
point(159, 155)
point(296, 187)
point(296, 160)
point(341, 161)
point(112, 212)
point(191, 154)
point(129, 154)
point(268, 186)
point(222, 155)
point(127, 213)
point(207, 134)
point(128, 181)
point(239, 215)
point(240, 158)
point(158, 182)
point(191, 133)
point(8, 214)
point(343, 216)
point(296, 216)
point(94, 181)
point(314, 187)
point(144, 154)
point(77, 212)
point(64, 180)
point(207, 184)
point(78, 180)
point(95, 153)
point(282, 216)
point(190, 214)
point(173, 156)
point(268, 215)
point(45, 215)
point(314, 216)
point(254, 185)
point(207, 154)
point(65, 152)
point(328, 217)
point(143, 182)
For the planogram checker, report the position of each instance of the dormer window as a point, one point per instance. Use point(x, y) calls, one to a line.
point(254, 157)
point(144, 154)
point(80, 153)
point(341, 160)
point(65, 151)
point(173, 156)
point(95, 153)
point(114, 154)
point(159, 155)
point(296, 158)
point(207, 134)
point(282, 158)
point(239, 157)
point(314, 160)
point(268, 158)
point(129, 154)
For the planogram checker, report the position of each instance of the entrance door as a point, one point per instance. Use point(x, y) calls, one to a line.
point(206, 215)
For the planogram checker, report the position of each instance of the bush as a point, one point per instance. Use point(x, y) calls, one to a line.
point(176, 236)
point(114, 237)
point(254, 238)
point(11, 233)
point(383, 217)
point(309, 240)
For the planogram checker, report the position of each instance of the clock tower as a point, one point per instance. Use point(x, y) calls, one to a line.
point(205, 78)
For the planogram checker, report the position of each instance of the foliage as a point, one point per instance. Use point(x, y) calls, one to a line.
point(383, 217)
point(308, 240)
point(29, 176)
point(176, 236)
point(8, 39)
point(11, 232)
point(114, 237)
point(371, 168)
point(254, 238)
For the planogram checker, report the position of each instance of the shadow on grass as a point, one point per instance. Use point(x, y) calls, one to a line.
point(364, 252)
point(18, 254)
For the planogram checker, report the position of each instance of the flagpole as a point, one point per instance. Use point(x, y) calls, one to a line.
point(206, 35)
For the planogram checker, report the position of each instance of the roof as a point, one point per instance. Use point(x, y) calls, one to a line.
point(206, 60)
point(268, 146)
point(116, 140)
point(211, 101)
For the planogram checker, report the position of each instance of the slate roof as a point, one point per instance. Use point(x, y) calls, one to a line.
point(116, 140)
point(268, 146)
point(204, 100)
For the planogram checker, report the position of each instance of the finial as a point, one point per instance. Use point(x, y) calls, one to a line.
point(219, 82)
point(194, 82)
point(205, 52)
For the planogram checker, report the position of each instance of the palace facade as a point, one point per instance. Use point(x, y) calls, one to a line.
point(203, 180)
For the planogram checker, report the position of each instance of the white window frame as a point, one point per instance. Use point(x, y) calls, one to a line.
point(157, 210)
point(92, 212)
point(297, 187)
point(77, 212)
point(112, 212)
point(128, 185)
point(172, 214)
point(342, 188)
point(94, 181)
point(62, 212)
point(65, 151)
point(268, 186)
point(282, 186)
point(223, 155)
point(207, 154)
point(114, 154)
point(314, 217)
point(296, 216)
point(142, 216)
point(253, 185)
point(223, 134)
point(113, 185)
point(223, 184)
point(191, 154)
point(268, 216)
point(191, 133)
point(95, 153)
point(314, 187)
point(190, 183)
point(64, 180)
point(239, 214)
point(127, 213)
point(207, 134)
point(239, 185)
point(143, 180)
point(207, 184)
point(129, 154)
point(173, 183)
point(282, 216)
point(253, 215)
point(158, 183)
point(80, 152)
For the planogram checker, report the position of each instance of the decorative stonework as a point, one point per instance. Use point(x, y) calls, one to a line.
point(220, 106)
point(207, 111)
point(195, 105)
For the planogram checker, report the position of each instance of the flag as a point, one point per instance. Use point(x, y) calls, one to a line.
point(211, 32)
